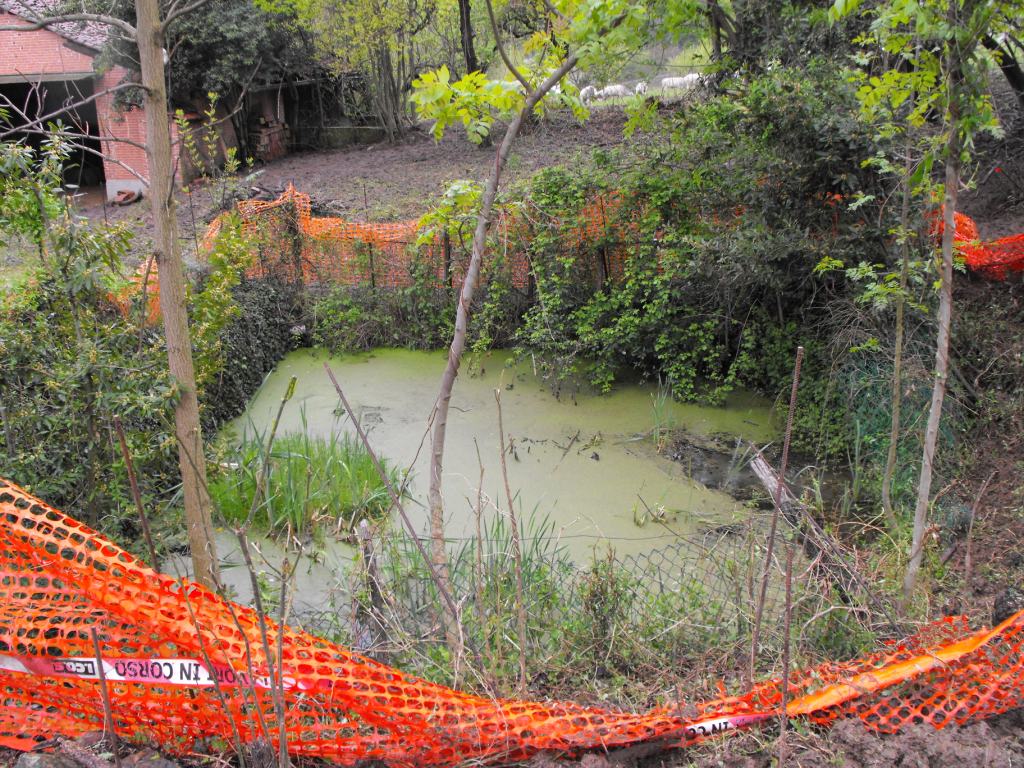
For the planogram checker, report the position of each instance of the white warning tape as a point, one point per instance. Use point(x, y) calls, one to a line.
point(185, 672)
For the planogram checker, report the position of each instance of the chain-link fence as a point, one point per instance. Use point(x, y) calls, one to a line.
point(642, 626)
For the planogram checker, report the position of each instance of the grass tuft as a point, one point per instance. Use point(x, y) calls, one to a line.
point(315, 486)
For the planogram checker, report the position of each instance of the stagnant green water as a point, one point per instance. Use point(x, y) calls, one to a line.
point(587, 461)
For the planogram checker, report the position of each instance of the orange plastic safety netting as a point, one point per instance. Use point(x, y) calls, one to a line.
point(292, 244)
point(994, 259)
point(184, 665)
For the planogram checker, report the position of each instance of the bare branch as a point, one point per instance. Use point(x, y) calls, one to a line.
point(555, 12)
point(32, 127)
point(176, 13)
point(501, 49)
point(40, 121)
point(49, 21)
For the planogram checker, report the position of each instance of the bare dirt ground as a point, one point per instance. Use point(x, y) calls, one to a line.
point(383, 182)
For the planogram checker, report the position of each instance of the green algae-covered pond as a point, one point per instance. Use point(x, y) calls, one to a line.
point(588, 462)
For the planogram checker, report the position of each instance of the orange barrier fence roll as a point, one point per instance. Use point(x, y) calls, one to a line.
point(183, 665)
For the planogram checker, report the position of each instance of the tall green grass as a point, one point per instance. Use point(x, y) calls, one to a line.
point(315, 486)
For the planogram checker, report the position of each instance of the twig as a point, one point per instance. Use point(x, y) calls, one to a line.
point(108, 711)
point(759, 614)
point(968, 560)
point(217, 688)
point(277, 691)
point(478, 591)
point(502, 52)
point(136, 496)
point(395, 499)
point(517, 550)
point(787, 625)
point(287, 572)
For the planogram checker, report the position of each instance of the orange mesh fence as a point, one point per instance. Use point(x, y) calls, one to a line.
point(145, 278)
point(293, 244)
point(995, 259)
point(183, 665)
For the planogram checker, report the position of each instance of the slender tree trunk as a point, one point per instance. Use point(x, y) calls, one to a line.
point(191, 458)
point(466, 29)
point(897, 360)
point(458, 345)
point(945, 318)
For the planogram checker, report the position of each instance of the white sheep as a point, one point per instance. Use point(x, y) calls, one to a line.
point(588, 94)
point(613, 91)
point(641, 88)
point(684, 83)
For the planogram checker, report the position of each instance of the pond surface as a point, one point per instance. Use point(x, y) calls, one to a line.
point(588, 462)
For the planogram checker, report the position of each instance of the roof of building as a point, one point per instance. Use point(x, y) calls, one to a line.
point(86, 33)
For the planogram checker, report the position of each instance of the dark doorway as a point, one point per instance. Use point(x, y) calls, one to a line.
point(24, 102)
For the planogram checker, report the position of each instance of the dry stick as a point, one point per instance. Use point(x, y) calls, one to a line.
point(222, 699)
point(282, 617)
point(245, 637)
point(277, 691)
point(217, 689)
point(371, 577)
point(783, 718)
point(261, 721)
point(136, 496)
point(829, 553)
point(517, 552)
point(243, 543)
point(478, 592)
point(79, 754)
point(968, 562)
point(108, 711)
point(395, 499)
point(755, 638)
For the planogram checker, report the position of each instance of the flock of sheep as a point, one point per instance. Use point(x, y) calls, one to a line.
point(686, 82)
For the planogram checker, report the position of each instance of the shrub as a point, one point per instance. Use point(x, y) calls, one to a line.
point(265, 325)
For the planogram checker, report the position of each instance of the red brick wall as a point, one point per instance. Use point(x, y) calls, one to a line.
point(130, 125)
point(38, 52)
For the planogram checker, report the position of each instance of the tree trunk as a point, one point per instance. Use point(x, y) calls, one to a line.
point(191, 458)
point(466, 28)
point(897, 360)
point(931, 433)
point(715, 20)
point(458, 345)
point(1009, 67)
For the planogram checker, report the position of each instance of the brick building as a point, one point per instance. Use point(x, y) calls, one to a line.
point(45, 70)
